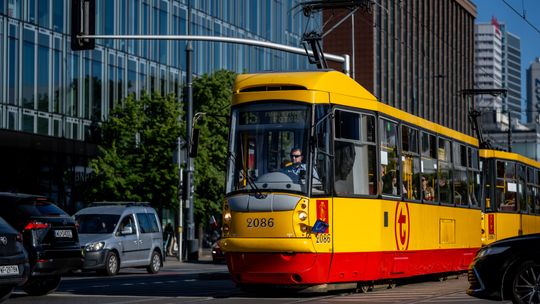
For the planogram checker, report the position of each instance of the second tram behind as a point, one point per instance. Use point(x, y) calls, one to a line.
point(382, 194)
point(512, 195)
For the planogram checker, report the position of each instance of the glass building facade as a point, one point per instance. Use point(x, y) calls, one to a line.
point(52, 98)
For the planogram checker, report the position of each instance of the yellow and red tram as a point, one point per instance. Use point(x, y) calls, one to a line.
point(511, 195)
point(381, 194)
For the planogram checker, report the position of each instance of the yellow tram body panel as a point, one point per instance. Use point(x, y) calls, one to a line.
point(356, 225)
point(487, 153)
point(364, 225)
point(500, 225)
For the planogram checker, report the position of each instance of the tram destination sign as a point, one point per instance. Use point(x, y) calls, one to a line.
point(272, 117)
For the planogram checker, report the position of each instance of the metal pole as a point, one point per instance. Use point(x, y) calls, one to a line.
point(179, 231)
point(265, 44)
point(509, 131)
point(353, 41)
point(192, 244)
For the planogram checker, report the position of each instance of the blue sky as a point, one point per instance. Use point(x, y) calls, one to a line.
point(530, 38)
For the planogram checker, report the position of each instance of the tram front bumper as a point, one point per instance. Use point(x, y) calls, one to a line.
point(275, 261)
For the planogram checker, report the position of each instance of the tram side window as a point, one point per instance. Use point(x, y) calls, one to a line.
point(531, 189)
point(506, 187)
point(460, 175)
point(428, 166)
point(474, 177)
point(521, 187)
point(355, 154)
point(445, 172)
point(390, 177)
point(410, 163)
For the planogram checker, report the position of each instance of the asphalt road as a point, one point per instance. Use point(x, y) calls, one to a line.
point(204, 282)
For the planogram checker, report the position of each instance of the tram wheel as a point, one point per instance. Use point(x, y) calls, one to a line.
point(391, 285)
point(364, 287)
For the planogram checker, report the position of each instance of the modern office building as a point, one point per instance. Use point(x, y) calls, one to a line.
point(415, 55)
point(498, 66)
point(511, 72)
point(51, 98)
point(489, 72)
point(533, 92)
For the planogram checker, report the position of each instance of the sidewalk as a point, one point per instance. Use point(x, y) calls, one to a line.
point(205, 257)
point(204, 267)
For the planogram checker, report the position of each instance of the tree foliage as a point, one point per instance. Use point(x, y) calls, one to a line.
point(135, 162)
point(136, 152)
point(211, 95)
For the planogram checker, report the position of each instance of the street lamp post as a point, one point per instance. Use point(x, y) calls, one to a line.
point(192, 247)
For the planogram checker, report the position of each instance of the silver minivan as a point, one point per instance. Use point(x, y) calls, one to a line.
point(116, 235)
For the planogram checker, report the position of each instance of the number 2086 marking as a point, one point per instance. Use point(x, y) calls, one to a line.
point(260, 222)
point(323, 238)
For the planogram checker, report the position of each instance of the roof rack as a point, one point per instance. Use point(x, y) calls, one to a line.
point(125, 204)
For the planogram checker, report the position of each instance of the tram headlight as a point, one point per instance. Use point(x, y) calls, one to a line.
point(302, 215)
point(227, 216)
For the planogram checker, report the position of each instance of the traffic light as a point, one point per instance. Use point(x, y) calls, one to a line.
point(83, 22)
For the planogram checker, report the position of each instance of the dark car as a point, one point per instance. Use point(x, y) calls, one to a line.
point(508, 269)
point(49, 237)
point(13, 260)
point(217, 254)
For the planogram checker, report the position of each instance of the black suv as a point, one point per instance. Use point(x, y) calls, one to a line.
point(49, 236)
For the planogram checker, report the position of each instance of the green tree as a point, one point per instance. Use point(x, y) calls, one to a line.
point(211, 95)
point(136, 153)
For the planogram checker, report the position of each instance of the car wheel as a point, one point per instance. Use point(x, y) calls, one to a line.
point(5, 292)
point(526, 283)
point(155, 263)
point(39, 286)
point(112, 264)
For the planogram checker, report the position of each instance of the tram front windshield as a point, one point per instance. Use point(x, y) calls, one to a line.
point(268, 148)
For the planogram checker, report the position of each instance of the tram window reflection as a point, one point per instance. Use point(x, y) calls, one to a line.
point(531, 190)
point(521, 188)
point(390, 184)
point(410, 163)
point(354, 154)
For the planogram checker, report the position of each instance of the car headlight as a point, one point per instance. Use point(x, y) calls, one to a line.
point(94, 246)
point(491, 251)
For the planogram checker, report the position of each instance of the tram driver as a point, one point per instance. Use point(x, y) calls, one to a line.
point(296, 170)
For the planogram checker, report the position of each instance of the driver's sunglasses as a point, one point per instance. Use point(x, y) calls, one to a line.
point(295, 156)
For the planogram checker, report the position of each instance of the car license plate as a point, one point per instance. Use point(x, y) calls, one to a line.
point(9, 270)
point(63, 234)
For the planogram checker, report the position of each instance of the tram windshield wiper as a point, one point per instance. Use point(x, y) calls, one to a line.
point(247, 177)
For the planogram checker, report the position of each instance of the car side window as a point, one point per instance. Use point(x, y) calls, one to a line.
point(127, 222)
point(152, 219)
point(143, 223)
point(148, 222)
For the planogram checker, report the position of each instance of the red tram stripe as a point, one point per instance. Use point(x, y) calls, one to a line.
point(309, 268)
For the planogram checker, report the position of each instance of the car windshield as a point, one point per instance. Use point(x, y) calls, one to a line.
point(264, 140)
point(96, 223)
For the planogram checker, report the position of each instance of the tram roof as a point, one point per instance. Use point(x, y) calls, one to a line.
point(326, 86)
point(488, 153)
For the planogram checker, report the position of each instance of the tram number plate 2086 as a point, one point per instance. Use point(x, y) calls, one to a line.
point(323, 238)
point(260, 222)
